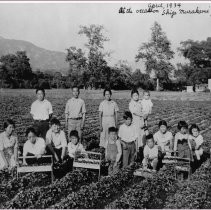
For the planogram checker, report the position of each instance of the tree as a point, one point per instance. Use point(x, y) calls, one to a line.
point(142, 80)
point(77, 65)
point(17, 67)
point(157, 54)
point(198, 70)
point(3, 74)
point(97, 64)
point(76, 59)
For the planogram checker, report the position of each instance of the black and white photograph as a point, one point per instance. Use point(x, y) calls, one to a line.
point(105, 105)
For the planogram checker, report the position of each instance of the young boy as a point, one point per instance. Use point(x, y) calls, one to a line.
point(41, 111)
point(113, 151)
point(146, 106)
point(128, 137)
point(75, 112)
point(74, 145)
point(150, 154)
point(56, 141)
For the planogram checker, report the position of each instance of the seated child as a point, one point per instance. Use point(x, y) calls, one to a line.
point(150, 153)
point(163, 138)
point(128, 137)
point(113, 151)
point(146, 106)
point(56, 141)
point(181, 142)
point(197, 140)
point(74, 146)
point(34, 146)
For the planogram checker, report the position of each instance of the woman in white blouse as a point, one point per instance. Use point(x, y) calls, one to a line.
point(34, 146)
point(108, 116)
point(8, 145)
point(163, 137)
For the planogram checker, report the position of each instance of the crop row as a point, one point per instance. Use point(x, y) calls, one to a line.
point(43, 197)
point(96, 195)
point(150, 193)
point(11, 185)
point(194, 194)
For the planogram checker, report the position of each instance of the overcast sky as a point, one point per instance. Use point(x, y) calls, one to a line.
point(55, 26)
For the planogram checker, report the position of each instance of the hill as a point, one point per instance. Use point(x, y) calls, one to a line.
point(40, 58)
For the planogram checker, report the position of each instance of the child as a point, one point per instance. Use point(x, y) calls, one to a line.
point(108, 112)
point(75, 111)
point(181, 143)
point(56, 141)
point(135, 108)
point(146, 106)
point(8, 145)
point(150, 154)
point(74, 146)
point(113, 150)
point(128, 137)
point(197, 139)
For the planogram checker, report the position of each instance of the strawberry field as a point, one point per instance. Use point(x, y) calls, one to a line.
point(81, 188)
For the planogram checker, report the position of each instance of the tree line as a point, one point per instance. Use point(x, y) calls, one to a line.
point(89, 69)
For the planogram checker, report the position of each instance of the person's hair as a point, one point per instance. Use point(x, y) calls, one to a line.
point(75, 86)
point(134, 91)
point(107, 89)
point(74, 133)
point(127, 115)
point(112, 129)
point(193, 126)
point(55, 121)
point(40, 89)
point(150, 136)
point(9, 122)
point(162, 122)
point(146, 91)
point(182, 124)
point(31, 130)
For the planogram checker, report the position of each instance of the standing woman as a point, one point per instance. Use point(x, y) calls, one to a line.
point(108, 115)
point(8, 146)
point(41, 111)
point(135, 108)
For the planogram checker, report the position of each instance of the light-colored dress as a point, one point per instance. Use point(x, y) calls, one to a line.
point(198, 144)
point(163, 140)
point(8, 145)
point(138, 122)
point(108, 108)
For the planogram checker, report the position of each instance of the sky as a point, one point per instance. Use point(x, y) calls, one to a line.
point(55, 26)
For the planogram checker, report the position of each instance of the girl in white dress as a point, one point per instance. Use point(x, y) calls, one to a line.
point(108, 116)
point(197, 140)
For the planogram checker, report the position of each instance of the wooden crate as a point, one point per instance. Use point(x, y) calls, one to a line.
point(84, 162)
point(38, 168)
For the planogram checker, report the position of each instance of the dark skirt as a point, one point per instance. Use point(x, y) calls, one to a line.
point(184, 149)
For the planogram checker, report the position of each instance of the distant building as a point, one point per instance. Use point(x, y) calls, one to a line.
point(209, 84)
point(189, 89)
point(201, 87)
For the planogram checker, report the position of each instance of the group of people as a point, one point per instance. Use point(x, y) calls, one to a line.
point(131, 141)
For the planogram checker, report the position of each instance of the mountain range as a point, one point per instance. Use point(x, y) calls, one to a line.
point(40, 58)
